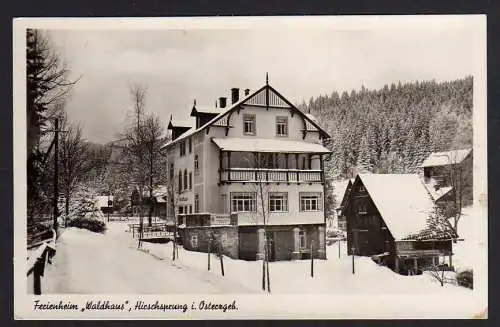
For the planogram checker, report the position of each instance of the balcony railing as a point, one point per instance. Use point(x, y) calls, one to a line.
point(271, 175)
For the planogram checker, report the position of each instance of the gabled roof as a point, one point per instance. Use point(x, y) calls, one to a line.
point(179, 123)
point(402, 201)
point(243, 100)
point(268, 145)
point(204, 110)
point(446, 158)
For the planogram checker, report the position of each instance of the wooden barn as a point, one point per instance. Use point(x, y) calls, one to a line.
point(392, 218)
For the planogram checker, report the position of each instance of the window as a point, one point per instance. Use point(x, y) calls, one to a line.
point(180, 181)
point(302, 239)
point(243, 202)
point(281, 126)
point(181, 210)
point(172, 172)
point(196, 203)
point(194, 241)
point(190, 145)
point(362, 209)
point(310, 201)
point(196, 167)
point(185, 179)
point(249, 124)
point(278, 202)
point(362, 188)
point(190, 180)
point(190, 208)
point(182, 146)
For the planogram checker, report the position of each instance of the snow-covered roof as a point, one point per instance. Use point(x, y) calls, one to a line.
point(446, 158)
point(180, 123)
point(268, 145)
point(227, 110)
point(205, 110)
point(311, 117)
point(102, 200)
point(438, 193)
point(402, 201)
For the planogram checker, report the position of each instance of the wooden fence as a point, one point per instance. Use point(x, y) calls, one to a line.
point(39, 259)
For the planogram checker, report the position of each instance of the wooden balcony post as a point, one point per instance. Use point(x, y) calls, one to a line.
point(220, 166)
point(286, 167)
point(322, 167)
point(297, 166)
point(229, 165)
point(256, 158)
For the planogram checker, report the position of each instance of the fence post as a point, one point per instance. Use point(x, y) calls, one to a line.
point(37, 273)
point(221, 261)
point(209, 254)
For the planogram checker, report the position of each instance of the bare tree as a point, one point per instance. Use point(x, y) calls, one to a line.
point(47, 87)
point(174, 192)
point(262, 190)
point(461, 183)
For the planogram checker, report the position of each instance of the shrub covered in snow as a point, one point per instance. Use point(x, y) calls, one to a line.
point(465, 278)
point(91, 224)
point(84, 204)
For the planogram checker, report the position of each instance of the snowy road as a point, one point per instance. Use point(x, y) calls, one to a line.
point(91, 263)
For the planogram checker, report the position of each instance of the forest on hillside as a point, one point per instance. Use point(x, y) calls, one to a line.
point(393, 129)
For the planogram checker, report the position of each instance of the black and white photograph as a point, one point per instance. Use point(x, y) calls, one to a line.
point(250, 167)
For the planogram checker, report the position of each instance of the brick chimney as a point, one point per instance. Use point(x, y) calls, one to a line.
point(235, 95)
point(247, 92)
point(222, 102)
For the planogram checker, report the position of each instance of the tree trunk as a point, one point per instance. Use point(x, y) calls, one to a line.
point(66, 209)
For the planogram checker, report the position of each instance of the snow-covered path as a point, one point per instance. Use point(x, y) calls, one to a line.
point(91, 263)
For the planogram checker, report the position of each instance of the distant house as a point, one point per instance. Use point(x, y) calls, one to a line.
point(341, 217)
point(105, 203)
point(158, 202)
point(391, 217)
point(448, 177)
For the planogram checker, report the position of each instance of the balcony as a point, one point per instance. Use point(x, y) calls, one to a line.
point(271, 175)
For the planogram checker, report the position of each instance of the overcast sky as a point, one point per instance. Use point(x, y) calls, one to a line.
point(179, 65)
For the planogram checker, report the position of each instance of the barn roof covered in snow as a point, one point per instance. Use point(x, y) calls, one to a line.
point(402, 201)
point(268, 145)
point(445, 158)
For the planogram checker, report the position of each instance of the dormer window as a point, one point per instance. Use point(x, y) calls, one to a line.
point(281, 126)
point(249, 124)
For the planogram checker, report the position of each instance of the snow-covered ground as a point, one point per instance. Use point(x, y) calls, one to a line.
point(92, 263)
point(472, 247)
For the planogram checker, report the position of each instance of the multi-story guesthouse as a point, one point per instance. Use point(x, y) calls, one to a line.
point(392, 217)
point(248, 167)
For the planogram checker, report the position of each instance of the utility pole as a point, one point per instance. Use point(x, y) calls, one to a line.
point(55, 143)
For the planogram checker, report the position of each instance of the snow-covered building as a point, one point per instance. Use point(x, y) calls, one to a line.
point(105, 203)
point(393, 218)
point(448, 177)
point(257, 156)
